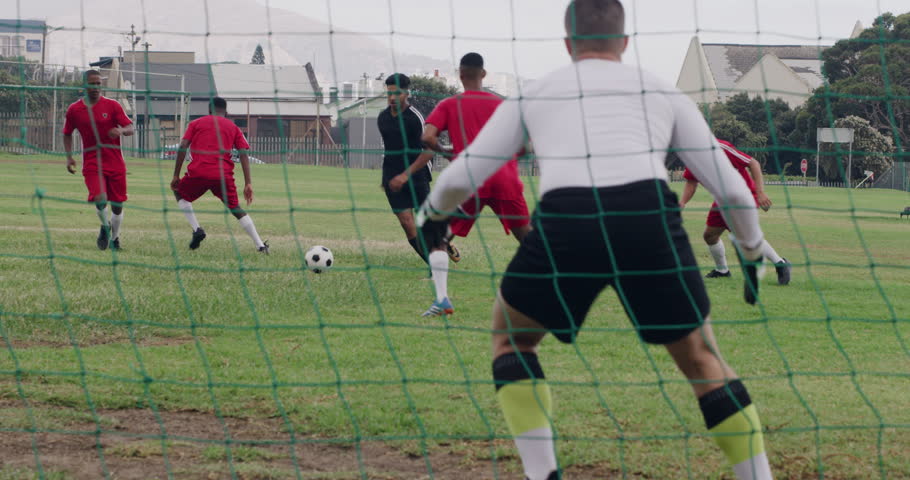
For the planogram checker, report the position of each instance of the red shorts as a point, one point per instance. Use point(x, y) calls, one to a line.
point(113, 185)
point(715, 219)
point(191, 188)
point(512, 214)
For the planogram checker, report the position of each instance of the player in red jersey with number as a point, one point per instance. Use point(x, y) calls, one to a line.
point(751, 173)
point(100, 122)
point(463, 116)
point(210, 140)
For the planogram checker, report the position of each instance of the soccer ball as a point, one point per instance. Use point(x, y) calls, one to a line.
point(319, 259)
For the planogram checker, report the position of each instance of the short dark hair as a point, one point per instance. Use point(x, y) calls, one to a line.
point(219, 103)
point(596, 25)
point(400, 80)
point(471, 66)
point(472, 59)
point(86, 74)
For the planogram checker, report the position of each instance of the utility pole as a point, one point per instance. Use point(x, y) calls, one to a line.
point(134, 39)
point(148, 101)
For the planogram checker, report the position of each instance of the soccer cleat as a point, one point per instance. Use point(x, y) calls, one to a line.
point(750, 283)
point(454, 254)
point(115, 244)
point(783, 271)
point(716, 274)
point(439, 308)
point(103, 239)
point(264, 248)
point(554, 475)
point(198, 237)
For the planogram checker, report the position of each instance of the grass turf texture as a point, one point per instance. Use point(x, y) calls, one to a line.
point(345, 356)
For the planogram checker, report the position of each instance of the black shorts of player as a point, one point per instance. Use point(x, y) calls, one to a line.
point(410, 196)
point(635, 244)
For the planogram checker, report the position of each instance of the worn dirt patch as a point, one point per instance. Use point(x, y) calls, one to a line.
point(131, 449)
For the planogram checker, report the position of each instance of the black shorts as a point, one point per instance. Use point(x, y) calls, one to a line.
point(636, 244)
point(410, 196)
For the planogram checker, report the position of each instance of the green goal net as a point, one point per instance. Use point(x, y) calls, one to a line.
point(154, 360)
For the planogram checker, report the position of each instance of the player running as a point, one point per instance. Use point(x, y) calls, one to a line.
point(463, 116)
point(715, 224)
point(401, 127)
point(210, 140)
point(100, 122)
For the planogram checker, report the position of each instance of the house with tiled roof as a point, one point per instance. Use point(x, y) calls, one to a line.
point(714, 72)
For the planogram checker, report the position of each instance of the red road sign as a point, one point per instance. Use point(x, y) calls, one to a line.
point(804, 165)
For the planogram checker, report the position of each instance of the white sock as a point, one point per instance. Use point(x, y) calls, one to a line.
point(538, 456)
point(439, 264)
point(755, 468)
point(102, 215)
point(770, 253)
point(116, 219)
point(247, 223)
point(720, 256)
point(187, 209)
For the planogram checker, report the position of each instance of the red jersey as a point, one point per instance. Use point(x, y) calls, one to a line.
point(105, 115)
point(211, 139)
point(463, 116)
point(739, 160)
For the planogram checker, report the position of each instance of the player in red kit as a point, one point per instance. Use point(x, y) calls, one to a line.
point(210, 140)
point(100, 122)
point(463, 116)
point(715, 225)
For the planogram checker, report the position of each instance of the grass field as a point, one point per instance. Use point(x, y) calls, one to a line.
point(159, 361)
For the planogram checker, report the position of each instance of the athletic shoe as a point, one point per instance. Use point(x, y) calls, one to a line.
point(115, 244)
point(103, 239)
point(198, 237)
point(554, 475)
point(716, 274)
point(783, 271)
point(439, 308)
point(454, 254)
point(750, 282)
point(264, 248)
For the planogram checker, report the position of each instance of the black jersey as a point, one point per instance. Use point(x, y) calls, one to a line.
point(401, 150)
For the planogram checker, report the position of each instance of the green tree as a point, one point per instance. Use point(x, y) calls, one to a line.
point(258, 56)
point(869, 77)
point(726, 126)
point(871, 151)
point(426, 92)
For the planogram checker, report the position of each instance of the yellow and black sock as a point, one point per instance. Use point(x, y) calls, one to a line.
point(524, 397)
point(733, 421)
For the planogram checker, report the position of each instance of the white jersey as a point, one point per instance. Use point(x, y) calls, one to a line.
point(599, 123)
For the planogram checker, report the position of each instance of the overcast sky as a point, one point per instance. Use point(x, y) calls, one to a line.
point(661, 29)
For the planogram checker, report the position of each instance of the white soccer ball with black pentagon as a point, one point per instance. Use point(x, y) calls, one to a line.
point(319, 259)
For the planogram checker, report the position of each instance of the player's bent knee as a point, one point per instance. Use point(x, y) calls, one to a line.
point(513, 330)
point(711, 237)
point(238, 213)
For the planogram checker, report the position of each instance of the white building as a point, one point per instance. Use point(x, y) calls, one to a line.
point(714, 72)
point(22, 38)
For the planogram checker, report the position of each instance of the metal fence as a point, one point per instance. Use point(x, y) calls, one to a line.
point(37, 133)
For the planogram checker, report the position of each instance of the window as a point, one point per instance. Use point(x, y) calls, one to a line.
point(17, 46)
point(5, 46)
point(269, 127)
